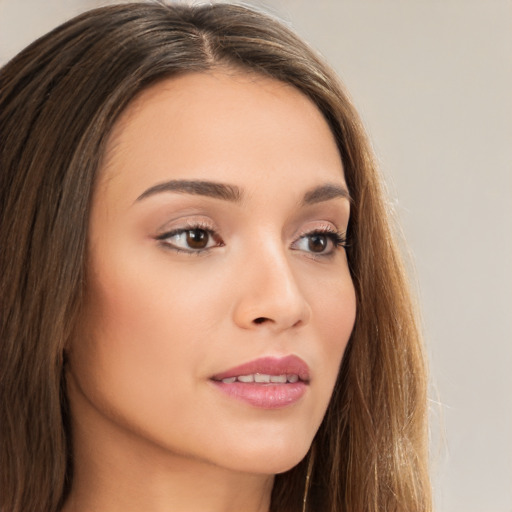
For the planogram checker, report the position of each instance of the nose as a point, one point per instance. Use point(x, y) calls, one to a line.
point(269, 294)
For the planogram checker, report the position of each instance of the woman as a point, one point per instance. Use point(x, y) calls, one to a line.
point(203, 307)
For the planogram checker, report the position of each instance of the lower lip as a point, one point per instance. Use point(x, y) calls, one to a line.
point(264, 396)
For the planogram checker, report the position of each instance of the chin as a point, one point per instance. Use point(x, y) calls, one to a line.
point(271, 458)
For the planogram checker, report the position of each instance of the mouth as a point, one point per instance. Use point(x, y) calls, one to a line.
point(262, 378)
point(267, 383)
point(268, 369)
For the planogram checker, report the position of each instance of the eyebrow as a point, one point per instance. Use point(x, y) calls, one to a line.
point(196, 187)
point(325, 193)
point(232, 193)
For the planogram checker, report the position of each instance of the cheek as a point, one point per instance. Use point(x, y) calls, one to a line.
point(145, 317)
point(149, 320)
point(137, 335)
point(337, 310)
point(334, 305)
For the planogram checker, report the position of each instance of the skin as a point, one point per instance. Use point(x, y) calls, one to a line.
point(150, 430)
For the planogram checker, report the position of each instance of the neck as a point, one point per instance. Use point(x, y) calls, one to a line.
point(172, 490)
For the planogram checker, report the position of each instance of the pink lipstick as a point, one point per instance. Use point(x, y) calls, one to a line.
point(268, 382)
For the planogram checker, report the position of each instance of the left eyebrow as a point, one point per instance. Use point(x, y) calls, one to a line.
point(325, 193)
point(196, 187)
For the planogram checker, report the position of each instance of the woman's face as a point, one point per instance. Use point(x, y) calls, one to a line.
point(219, 300)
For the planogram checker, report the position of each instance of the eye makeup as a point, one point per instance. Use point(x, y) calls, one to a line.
point(197, 237)
point(320, 241)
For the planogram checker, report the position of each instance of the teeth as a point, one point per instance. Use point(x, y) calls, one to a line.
point(262, 378)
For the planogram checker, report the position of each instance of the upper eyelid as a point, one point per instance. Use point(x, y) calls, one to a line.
point(321, 226)
point(183, 229)
point(180, 225)
point(341, 235)
point(177, 231)
point(185, 225)
point(327, 228)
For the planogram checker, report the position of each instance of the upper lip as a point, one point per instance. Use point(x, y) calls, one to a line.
point(288, 365)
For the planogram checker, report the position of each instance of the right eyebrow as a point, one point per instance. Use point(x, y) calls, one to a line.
point(325, 193)
point(197, 187)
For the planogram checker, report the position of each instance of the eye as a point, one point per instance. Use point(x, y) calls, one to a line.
point(322, 242)
point(192, 239)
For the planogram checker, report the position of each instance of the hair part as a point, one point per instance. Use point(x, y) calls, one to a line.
point(59, 100)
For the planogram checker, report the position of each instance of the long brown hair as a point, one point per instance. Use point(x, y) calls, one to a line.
point(59, 99)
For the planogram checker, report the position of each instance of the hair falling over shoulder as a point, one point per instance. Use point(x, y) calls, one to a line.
point(59, 99)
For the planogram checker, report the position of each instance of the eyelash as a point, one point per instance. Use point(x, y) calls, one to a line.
point(337, 238)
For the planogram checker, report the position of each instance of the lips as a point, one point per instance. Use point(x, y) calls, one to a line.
point(267, 383)
point(271, 366)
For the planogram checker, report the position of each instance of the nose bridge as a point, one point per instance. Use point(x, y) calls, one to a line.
point(269, 292)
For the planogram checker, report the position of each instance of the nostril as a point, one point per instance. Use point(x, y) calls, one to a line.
point(260, 320)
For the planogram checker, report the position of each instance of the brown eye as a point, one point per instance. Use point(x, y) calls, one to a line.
point(320, 242)
point(197, 238)
point(317, 242)
point(191, 240)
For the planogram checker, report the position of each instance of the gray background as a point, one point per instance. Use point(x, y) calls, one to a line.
point(433, 82)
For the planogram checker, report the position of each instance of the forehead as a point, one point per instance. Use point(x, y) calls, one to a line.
point(223, 125)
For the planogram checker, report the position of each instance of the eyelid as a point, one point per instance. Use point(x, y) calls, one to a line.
point(321, 227)
point(185, 223)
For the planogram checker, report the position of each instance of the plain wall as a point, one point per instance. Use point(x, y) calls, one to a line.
point(433, 82)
